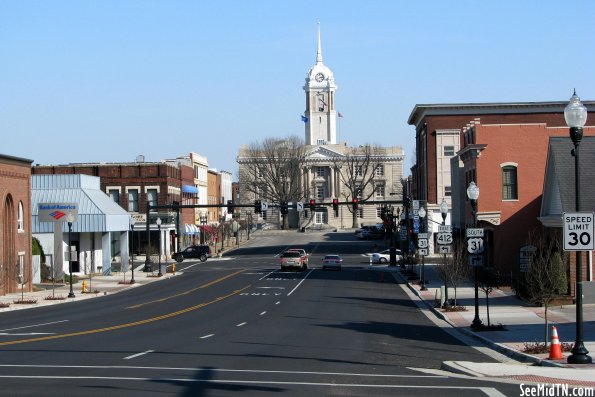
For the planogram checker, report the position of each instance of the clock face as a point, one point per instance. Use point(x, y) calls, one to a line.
point(319, 77)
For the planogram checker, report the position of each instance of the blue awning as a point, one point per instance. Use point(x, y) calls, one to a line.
point(189, 189)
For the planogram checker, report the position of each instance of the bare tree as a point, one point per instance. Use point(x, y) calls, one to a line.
point(488, 279)
point(545, 276)
point(272, 170)
point(357, 170)
point(456, 269)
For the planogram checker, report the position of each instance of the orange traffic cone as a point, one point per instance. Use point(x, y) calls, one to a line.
point(555, 347)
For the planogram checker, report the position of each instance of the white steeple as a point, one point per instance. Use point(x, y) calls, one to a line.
point(320, 114)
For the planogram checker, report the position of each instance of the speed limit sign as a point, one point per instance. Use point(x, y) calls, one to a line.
point(578, 231)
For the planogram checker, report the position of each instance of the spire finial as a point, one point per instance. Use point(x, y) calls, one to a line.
point(319, 51)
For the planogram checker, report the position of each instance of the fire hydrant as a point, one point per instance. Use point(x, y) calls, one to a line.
point(173, 268)
point(85, 287)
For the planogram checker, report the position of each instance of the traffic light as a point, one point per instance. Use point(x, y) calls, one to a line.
point(284, 209)
point(230, 206)
point(257, 208)
point(312, 204)
point(354, 201)
point(336, 206)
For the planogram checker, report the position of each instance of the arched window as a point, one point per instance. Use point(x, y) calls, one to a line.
point(509, 183)
point(21, 218)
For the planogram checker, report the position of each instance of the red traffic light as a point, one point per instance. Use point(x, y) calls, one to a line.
point(354, 200)
point(312, 202)
point(335, 201)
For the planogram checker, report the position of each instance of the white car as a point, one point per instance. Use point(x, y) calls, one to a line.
point(331, 262)
point(384, 256)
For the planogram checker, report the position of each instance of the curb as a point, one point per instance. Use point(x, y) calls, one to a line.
point(503, 349)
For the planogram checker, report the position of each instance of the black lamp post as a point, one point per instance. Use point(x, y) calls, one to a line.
point(575, 114)
point(158, 222)
point(70, 219)
point(444, 213)
point(473, 195)
point(422, 216)
point(132, 281)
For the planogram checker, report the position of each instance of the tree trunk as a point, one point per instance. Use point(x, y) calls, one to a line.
point(354, 220)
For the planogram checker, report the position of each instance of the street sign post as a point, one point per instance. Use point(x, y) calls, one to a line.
point(578, 231)
point(423, 251)
point(444, 249)
point(475, 260)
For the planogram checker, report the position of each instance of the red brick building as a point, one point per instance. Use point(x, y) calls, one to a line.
point(15, 224)
point(502, 148)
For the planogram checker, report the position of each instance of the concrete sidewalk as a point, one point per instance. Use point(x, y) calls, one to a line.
point(523, 324)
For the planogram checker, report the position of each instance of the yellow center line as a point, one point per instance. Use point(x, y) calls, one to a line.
point(126, 325)
point(187, 292)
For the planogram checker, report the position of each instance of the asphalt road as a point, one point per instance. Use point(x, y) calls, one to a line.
point(238, 325)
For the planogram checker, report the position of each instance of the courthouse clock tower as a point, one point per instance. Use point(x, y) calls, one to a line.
point(320, 116)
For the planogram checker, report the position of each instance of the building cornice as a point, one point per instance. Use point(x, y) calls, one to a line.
point(421, 111)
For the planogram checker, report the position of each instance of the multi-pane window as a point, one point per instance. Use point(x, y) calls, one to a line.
point(380, 170)
point(320, 192)
point(509, 183)
point(320, 171)
point(152, 197)
point(378, 212)
point(447, 191)
point(357, 170)
point(114, 194)
point(380, 190)
point(359, 192)
point(133, 200)
point(449, 151)
point(21, 218)
point(21, 276)
point(321, 142)
point(360, 212)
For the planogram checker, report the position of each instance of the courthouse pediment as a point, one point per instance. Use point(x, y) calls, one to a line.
point(322, 154)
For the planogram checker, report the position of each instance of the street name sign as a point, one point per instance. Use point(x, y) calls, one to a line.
point(444, 249)
point(444, 238)
point(578, 231)
point(475, 245)
point(475, 260)
point(475, 232)
point(444, 229)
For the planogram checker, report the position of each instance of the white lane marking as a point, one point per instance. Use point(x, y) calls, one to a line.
point(276, 303)
point(34, 325)
point(207, 336)
point(241, 324)
point(195, 369)
point(300, 283)
point(271, 287)
point(266, 275)
point(138, 354)
point(26, 333)
point(263, 313)
point(491, 391)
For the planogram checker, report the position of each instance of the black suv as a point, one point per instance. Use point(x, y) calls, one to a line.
point(201, 252)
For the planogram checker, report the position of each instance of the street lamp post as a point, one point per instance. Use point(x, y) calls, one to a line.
point(473, 195)
point(422, 215)
point(575, 114)
point(132, 281)
point(444, 213)
point(158, 222)
point(70, 219)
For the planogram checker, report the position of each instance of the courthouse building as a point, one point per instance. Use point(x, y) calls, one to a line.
point(322, 172)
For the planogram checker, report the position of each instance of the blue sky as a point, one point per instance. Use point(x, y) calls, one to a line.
point(105, 81)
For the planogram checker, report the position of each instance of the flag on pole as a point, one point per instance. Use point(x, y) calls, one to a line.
point(340, 114)
point(304, 119)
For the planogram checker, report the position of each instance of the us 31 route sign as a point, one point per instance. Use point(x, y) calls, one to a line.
point(578, 231)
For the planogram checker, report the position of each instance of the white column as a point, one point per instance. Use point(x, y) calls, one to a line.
point(331, 182)
point(106, 254)
point(124, 253)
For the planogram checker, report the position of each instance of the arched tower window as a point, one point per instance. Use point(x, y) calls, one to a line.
point(20, 218)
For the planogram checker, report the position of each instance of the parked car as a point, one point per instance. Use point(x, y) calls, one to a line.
point(331, 262)
point(384, 256)
point(305, 255)
point(201, 252)
point(292, 260)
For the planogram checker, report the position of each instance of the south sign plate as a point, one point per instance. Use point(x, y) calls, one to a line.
point(475, 232)
point(578, 231)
